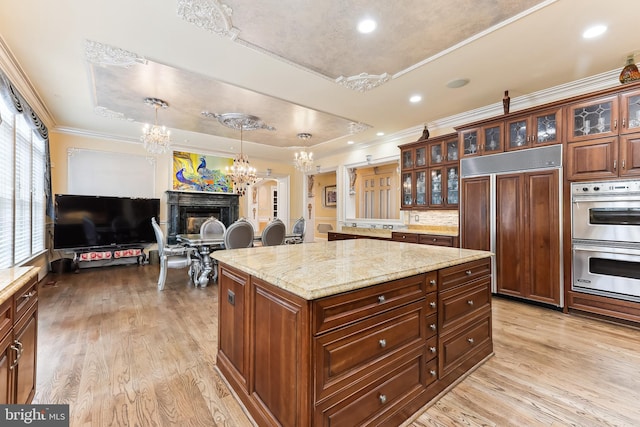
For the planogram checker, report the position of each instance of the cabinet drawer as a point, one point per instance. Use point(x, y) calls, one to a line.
point(432, 348)
point(346, 354)
point(431, 374)
point(432, 303)
point(460, 304)
point(404, 237)
point(463, 343)
point(460, 274)
point(432, 281)
point(342, 309)
point(389, 392)
point(25, 298)
point(432, 325)
point(429, 239)
point(6, 317)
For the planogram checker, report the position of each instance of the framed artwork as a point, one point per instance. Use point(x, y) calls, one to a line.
point(201, 172)
point(330, 195)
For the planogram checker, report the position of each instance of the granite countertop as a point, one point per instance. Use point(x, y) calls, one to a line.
point(12, 279)
point(319, 269)
point(386, 233)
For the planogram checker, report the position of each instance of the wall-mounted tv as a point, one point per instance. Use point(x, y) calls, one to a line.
point(97, 221)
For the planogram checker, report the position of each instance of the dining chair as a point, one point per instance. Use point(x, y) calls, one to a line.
point(297, 233)
point(239, 235)
point(213, 226)
point(273, 233)
point(171, 256)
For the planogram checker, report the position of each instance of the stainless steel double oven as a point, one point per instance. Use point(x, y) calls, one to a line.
point(606, 238)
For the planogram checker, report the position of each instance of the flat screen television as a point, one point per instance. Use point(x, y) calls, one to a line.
point(83, 222)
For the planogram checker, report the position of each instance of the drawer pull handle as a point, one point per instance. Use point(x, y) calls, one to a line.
point(432, 349)
point(29, 295)
point(470, 302)
point(433, 372)
point(468, 272)
point(433, 326)
point(470, 340)
point(432, 282)
point(383, 399)
point(381, 299)
point(432, 304)
point(383, 343)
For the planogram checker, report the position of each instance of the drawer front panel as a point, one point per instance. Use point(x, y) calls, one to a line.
point(456, 347)
point(431, 374)
point(462, 303)
point(432, 304)
point(25, 298)
point(340, 310)
point(358, 349)
point(432, 325)
point(432, 281)
point(388, 393)
point(6, 317)
point(451, 277)
point(404, 237)
point(427, 239)
point(432, 347)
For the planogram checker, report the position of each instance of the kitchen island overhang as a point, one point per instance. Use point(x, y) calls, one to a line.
point(355, 331)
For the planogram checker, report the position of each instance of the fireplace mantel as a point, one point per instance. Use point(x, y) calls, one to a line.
point(182, 204)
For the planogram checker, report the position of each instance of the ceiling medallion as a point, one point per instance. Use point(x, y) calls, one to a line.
point(210, 15)
point(303, 160)
point(239, 121)
point(363, 82)
point(104, 54)
point(156, 138)
point(355, 127)
point(110, 114)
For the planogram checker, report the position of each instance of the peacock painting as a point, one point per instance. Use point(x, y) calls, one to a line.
point(199, 172)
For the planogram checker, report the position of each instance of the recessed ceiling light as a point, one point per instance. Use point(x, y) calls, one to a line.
point(454, 84)
point(367, 26)
point(415, 98)
point(594, 31)
point(380, 133)
point(349, 142)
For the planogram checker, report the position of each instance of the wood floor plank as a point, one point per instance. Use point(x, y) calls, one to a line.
point(120, 353)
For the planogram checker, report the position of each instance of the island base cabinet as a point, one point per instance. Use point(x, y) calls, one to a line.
point(25, 369)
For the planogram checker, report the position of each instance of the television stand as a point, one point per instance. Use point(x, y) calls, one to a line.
point(106, 256)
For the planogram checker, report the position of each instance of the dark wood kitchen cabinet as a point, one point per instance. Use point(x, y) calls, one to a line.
point(475, 220)
point(528, 236)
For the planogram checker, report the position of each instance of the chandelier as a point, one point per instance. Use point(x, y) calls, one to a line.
point(241, 173)
point(303, 160)
point(156, 138)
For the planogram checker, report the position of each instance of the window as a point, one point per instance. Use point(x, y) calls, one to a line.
point(22, 192)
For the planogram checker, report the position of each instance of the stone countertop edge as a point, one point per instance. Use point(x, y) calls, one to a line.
point(386, 233)
point(313, 270)
point(12, 279)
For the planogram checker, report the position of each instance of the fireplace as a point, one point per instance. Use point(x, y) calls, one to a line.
point(187, 211)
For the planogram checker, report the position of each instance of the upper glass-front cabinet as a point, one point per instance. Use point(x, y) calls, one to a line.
point(539, 128)
point(630, 104)
point(414, 157)
point(593, 119)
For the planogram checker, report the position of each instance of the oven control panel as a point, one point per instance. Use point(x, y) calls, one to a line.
point(605, 187)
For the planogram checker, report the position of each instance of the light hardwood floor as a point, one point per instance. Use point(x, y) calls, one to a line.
point(121, 353)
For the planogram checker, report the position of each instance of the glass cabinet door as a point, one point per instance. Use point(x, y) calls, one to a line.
point(470, 143)
point(421, 188)
point(436, 154)
point(452, 185)
point(436, 187)
point(547, 129)
point(630, 112)
point(407, 159)
point(407, 189)
point(421, 157)
point(517, 133)
point(451, 148)
point(493, 139)
point(593, 119)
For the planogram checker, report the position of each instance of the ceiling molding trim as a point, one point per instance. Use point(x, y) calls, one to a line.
point(363, 82)
point(19, 79)
point(94, 134)
point(475, 37)
point(104, 54)
point(210, 15)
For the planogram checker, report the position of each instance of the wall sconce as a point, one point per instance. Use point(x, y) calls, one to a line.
point(369, 159)
point(268, 172)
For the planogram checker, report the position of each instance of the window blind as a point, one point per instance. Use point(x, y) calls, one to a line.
point(23, 191)
point(6, 186)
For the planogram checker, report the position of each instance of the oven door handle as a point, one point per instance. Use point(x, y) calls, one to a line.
point(606, 199)
point(603, 247)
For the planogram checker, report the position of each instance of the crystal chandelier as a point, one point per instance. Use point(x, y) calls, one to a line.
point(241, 173)
point(303, 160)
point(156, 138)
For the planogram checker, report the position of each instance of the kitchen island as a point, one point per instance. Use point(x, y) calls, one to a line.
point(353, 332)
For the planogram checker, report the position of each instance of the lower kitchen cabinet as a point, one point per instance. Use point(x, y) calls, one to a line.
point(18, 344)
point(475, 228)
point(528, 236)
